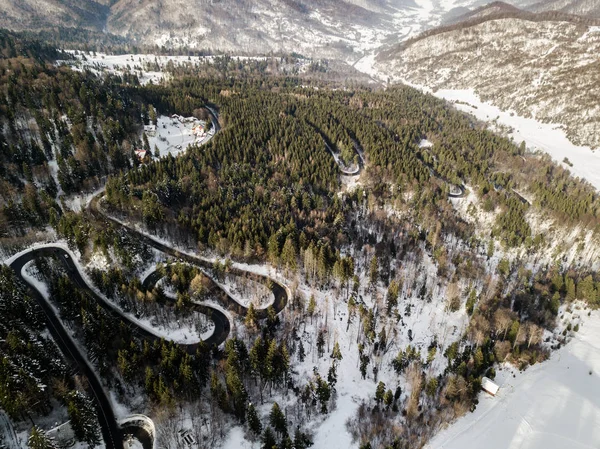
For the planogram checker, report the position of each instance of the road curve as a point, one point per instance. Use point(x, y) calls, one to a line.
point(111, 433)
point(279, 291)
point(461, 194)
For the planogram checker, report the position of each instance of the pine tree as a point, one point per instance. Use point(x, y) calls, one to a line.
point(388, 399)
point(373, 271)
point(380, 392)
point(320, 343)
point(332, 376)
point(323, 393)
point(471, 301)
point(38, 439)
point(311, 307)
point(272, 318)
point(301, 353)
point(268, 439)
point(250, 319)
point(273, 249)
point(286, 443)
point(431, 387)
point(337, 353)
point(301, 440)
point(392, 296)
point(277, 420)
point(289, 254)
point(83, 418)
point(254, 423)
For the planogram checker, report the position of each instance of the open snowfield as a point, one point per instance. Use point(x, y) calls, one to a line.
point(119, 64)
point(553, 405)
point(173, 136)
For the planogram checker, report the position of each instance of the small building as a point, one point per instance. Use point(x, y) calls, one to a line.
point(198, 131)
point(489, 386)
point(141, 154)
point(150, 130)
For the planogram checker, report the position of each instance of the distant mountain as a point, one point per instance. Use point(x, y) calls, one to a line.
point(38, 14)
point(344, 29)
point(541, 65)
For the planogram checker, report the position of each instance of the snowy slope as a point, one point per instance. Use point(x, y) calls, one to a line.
point(554, 405)
point(544, 70)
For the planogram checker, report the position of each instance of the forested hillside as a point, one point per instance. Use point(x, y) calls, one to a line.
point(271, 156)
point(540, 66)
point(34, 377)
point(62, 131)
point(267, 189)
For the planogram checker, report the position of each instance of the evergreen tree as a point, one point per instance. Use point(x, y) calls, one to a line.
point(38, 439)
point(289, 254)
point(320, 343)
point(301, 440)
point(337, 353)
point(311, 307)
point(392, 296)
point(471, 301)
point(83, 418)
point(388, 399)
point(268, 439)
point(373, 271)
point(277, 419)
point(254, 423)
point(380, 393)
point(250, 319)
point(301, 353)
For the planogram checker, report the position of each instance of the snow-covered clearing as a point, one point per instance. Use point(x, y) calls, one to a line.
point(424, 143)
point(246, 291)
point(80, 201)
point(423, 321)
point(173, 135)
point(555, 404)
point(138, 64)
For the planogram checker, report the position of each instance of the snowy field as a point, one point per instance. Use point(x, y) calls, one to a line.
point(553, 405)
point(173, 136)
point(138, 64)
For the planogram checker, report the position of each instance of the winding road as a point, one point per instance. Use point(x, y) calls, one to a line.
point(112, 433)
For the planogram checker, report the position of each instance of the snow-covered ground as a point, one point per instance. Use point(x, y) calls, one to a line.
point(246, 291)
point(553, 405)
point(548, 138)
point(138, 64)
point(425, 143)
point(173, 136)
